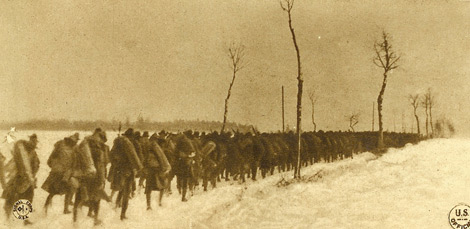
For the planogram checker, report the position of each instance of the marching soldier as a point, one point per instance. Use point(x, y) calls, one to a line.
point(89, 173)
point(145, 146)
point(23, 183)
point(126, 164)
point(60, 161)
point(185, 153)
point(135, 139)
point(157, 171)
point(2, 171)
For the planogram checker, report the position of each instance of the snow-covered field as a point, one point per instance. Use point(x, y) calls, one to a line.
point(414, 187)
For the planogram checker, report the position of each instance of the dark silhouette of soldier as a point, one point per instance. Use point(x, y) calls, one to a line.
point(144, 145)
point(168, 147)
point(23, 182)
point(185, 153)
point(90, 183)
point(3, 183)
point(123, 173)
point(135, 139)
point(157, 171)
point(61, 161)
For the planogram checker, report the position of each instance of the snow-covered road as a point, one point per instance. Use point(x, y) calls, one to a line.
point(413, 187)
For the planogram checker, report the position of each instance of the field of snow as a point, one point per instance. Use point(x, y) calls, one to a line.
point(413, 187)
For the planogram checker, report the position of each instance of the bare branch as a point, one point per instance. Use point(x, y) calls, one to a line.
point(414, 100)
point(392, 65)
point(237, 54)
point(311, 94)
point(385, 54)
point(379, 58)
point(424, 101)
point(376, 63)
point(431, 99)
point(428, 99)
point(282, 6)
point(289, 4)
point(353, 120)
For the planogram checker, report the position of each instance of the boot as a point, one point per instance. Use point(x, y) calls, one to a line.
point(98, 222)
point(149, 206)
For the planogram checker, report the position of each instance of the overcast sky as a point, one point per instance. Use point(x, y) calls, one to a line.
point(167, 60)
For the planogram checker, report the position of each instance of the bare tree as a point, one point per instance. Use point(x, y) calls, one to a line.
point(424, 104)
point(353, 121)
point(414, 101)
point(313, 99)
point(386, 59)
point(236, 54)
point(430, 104)
point(287, 5)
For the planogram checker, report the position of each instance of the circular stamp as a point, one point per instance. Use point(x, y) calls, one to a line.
point(22, 209)
point(459, 216)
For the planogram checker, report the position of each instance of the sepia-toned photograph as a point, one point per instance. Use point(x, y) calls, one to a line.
point(235, 114)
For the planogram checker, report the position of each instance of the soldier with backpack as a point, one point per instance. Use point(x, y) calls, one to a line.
point(60, 161)
point(157, 170)
point(126, 164)
point(3, 183)
point(185, 153)
point(23, 181)
point(89, 175)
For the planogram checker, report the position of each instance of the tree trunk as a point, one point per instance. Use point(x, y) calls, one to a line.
point(373, 115)
point(288, 9)
point(313, 117)
point(430, 121)
point(299, 97)
point(283, 128)
point(226, 102)
point(417, 121)
point(427, 120)
point(380, 143)
point(299, 122)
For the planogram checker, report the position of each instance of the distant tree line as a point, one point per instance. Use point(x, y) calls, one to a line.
point(172, 126)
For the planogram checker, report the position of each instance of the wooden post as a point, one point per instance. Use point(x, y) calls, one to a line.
point(283, 127)
point(373, 115)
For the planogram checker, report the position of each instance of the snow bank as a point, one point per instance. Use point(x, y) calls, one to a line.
point(405, 188)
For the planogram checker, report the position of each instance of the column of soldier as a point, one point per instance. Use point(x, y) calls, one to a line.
point(80, 170)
